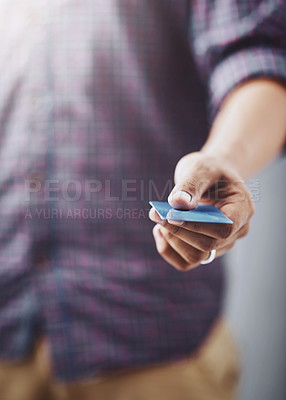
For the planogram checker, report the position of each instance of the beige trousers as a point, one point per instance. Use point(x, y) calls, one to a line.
point(211, 374)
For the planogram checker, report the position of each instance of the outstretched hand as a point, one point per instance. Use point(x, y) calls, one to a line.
point(200, 178)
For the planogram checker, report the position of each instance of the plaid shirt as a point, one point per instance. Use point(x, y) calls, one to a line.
point(98, 101)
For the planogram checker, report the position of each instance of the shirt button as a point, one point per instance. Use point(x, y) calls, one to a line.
point(34, 183)
point(41, 260)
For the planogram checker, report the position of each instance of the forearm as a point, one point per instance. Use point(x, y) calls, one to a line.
point(250, 129)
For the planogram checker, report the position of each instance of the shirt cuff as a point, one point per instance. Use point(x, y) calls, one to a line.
point(246, 64)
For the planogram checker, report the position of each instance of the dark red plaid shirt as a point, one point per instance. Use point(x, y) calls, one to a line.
point(98, 101)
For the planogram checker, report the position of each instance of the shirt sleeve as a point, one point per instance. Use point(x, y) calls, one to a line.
point(234, 41)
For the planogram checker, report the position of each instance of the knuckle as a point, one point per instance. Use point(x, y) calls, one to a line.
point(163, 248)
point(189, 258)
point(194, 226)
point(193, 184)
point(244, 231)
point(174, 229)
point(208, 244)
point(167, 235)
point(226, 231)
point(252, 209)
point(231, 246)
point(193, 257)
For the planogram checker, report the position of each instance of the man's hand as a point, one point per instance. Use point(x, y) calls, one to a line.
point(248, 132)
point(200, 178)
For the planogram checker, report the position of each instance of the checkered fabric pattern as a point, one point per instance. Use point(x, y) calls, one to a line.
point(98, 101)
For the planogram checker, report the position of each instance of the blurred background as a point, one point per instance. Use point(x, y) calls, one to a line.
point(256, 297)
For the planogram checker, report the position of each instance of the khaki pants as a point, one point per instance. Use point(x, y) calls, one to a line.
point(211, 374)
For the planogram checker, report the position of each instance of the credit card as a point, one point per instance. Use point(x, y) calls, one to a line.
point(202, 213)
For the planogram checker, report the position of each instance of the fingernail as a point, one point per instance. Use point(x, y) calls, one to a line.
point(179, 223)
point(180, 195)
point(184, 196)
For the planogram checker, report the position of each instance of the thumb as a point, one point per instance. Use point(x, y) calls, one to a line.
point(192, 182)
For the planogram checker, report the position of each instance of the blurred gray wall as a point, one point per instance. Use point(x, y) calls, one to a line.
point(256, 297)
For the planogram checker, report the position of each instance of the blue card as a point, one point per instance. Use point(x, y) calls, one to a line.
point(202, 213)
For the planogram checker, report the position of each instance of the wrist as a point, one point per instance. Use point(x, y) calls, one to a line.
point(210, 162)
point(230, 158)
point(250, 129)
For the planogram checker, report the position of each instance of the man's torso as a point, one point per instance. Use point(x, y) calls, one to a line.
point(98, 101)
